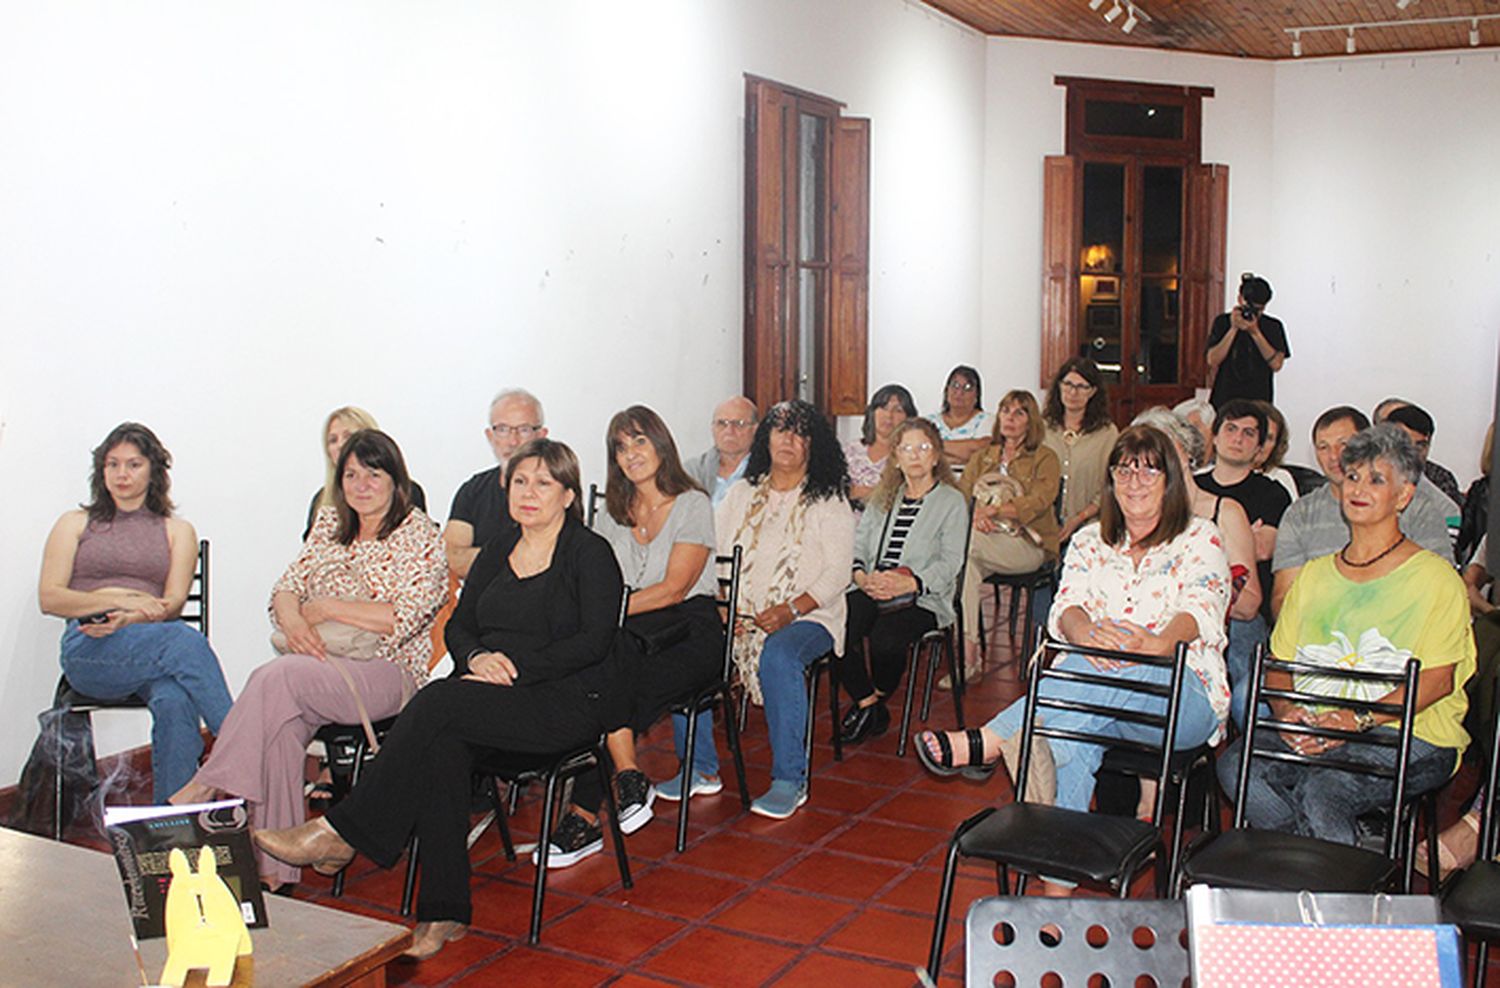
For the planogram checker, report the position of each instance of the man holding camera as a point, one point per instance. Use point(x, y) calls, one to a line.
point(1246, 346)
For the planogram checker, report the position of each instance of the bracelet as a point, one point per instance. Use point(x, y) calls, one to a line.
point(791, 605)
point(1364, 720)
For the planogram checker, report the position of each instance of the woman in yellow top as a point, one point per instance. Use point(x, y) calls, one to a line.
point(1014, 482)
point(1378, 601)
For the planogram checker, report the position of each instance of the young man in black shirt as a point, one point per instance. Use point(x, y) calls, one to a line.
point(1238, 430)
point(1246, 347)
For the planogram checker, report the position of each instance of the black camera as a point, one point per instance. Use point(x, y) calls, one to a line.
point(1249, 311)
point(1255, 292)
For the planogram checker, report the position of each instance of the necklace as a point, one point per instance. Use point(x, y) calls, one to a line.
point(646, 520)
point(1344, 554)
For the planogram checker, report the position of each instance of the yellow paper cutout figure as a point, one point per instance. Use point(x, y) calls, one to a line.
point(204, 924)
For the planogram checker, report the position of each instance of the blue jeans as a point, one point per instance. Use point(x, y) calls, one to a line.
point(705, 754)
point(1077, 761)
point(1243, 637)
point(783, 661)
point(1325, 802)
point(172, 668)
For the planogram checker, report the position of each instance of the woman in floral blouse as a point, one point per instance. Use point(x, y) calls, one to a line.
point(866, 456)
point(368, 582)
point(1146, 576)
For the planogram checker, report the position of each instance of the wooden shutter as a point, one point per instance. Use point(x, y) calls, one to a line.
point(767, 259)
point(843, 362)
point(1062, 215)
point(1203, 265)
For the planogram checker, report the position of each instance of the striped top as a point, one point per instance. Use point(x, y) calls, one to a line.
point(900, 526)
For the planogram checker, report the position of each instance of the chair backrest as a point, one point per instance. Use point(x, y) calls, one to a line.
point(1126, 941)
point(963, 571)
point(729, 599)
point(596, 497)
point(1489, 827)
point(1170, 693)
point(1266, 667)
point(195, 609)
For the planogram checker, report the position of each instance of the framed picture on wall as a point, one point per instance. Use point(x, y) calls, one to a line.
point(1107, 288)
point(1104, 319)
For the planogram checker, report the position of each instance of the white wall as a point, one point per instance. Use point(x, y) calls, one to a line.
point(226, 219)
point(1364, 188)
point(1025, 118)
point(1384, 210)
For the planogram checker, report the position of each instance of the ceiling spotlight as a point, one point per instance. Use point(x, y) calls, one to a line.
point(1349, 42)
point(1474, 33)
point(1296, 44)
point(1403, 4)
point(1095, 4)
point(1114, 12)
point(1131, 21)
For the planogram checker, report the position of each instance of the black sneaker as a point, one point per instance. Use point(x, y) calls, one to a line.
point(636, 796)
point(572, 840)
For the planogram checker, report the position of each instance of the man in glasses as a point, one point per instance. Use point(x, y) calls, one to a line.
point(718, 468)
point(479, 511)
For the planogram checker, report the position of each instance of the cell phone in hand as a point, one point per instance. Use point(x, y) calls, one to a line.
point(101, 618)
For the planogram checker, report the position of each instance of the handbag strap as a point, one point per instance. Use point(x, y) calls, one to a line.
point(359, 703)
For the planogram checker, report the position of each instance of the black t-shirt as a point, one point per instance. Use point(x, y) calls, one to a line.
point(1244, 372)
point(1264, 501)
point(481, 502)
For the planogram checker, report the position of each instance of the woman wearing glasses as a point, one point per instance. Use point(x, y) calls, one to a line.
point(908, 549)
point(1080, 432)
point(963, 423)
point(1146, 576)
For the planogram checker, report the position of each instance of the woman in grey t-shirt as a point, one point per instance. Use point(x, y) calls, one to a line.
point(661, 526)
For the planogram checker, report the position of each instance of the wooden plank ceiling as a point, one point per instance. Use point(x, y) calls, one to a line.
point(1247, 28)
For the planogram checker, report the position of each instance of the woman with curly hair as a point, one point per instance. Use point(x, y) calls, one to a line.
point(790, 515)
point(118, 570)
point(1080, 432)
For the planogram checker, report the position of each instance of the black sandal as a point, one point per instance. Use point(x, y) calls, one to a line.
point(975, 768)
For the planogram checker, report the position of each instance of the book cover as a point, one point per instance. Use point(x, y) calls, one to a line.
point(143, 836)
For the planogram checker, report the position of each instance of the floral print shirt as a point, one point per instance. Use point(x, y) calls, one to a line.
point(1188, 575)
point(406, 569)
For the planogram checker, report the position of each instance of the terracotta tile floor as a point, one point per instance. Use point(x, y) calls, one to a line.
point(840, 894)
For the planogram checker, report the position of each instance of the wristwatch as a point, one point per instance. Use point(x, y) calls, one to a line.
point(791, 605)
point(1364, 720)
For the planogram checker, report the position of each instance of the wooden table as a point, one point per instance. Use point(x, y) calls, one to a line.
point(63, 922)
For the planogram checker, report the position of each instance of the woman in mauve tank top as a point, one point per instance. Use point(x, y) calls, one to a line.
point(118, 570)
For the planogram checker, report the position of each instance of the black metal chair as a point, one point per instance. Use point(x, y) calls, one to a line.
point(1266, 859)
point(347, 750)
point(705, 697)
point(1471, 900)
point(937, 644)
point(69, 702)
point(596, 498)
point(1129, 941)
point(1192, 770)
point(1028, 583)
point(1039, 839)
point(520, 771)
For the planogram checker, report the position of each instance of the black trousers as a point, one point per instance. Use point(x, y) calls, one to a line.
point(420, 781)
point(890, 635)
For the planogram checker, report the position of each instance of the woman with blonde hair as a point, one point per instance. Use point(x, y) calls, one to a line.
point(1014, 483)
point(908, 550)
point(340, 424)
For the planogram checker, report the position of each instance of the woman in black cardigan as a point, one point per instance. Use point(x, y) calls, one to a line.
point(531, 641)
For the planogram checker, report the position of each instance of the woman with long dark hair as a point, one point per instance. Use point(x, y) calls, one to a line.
point(353, 616)
point(119, 570)
point(866, 456)
point(1080, 432)
point(790, 516)
point(660, 524)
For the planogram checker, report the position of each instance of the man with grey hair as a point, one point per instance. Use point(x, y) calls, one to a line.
point(480, 511)
point(1314, 525)
point(1199, 414)
point(718, 468)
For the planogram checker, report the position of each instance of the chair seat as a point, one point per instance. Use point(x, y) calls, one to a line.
point(1473, 901)
point(1048, 840)
point(349, 733)
point(68, 698)
point(1266, 859)
point(1032, 578)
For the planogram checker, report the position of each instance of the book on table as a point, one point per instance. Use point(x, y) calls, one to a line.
point(142, 837)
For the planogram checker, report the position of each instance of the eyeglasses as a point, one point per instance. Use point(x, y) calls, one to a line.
point(522, 432)
point(1073, 386)
point(960, 385)
point(1124, 473)
point(733, 423)
point(914, 449)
